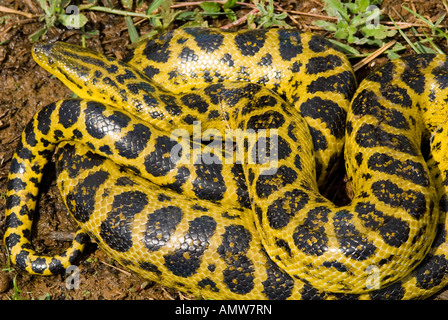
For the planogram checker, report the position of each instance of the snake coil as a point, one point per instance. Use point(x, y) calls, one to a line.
point(245, 221)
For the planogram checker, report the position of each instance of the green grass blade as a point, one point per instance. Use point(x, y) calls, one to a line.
point(436, 48)
point(133, 33)
point(429, 23)
point(405, 36)
point(154, 6)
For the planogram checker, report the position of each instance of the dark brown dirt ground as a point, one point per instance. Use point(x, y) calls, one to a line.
point(26, 88)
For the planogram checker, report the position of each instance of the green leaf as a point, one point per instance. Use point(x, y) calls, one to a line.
point(36, 35)
point(230, 14)
point(64, 3)
point(351, 30)
point(229, 4)
point(345, 48)
point(335, 8)
point(195, 19)
point(167, 14)
point(44, 6)
point(392, 55)
point(4, 19)
point(186, 15)
point(398, 47)
point(341, 34)
point(127, 4)
point(73, 21)
point(358, 20)
point(375, 42)
point(342, 24)
point(154, 6)
point(91, 33)
point(267, 17)
point(45, 296)
point(210, 7)
point(147, 36)
point(326, 25)
point(363, 5)
point(380, 32)
point(353, 7)
point(360, 41)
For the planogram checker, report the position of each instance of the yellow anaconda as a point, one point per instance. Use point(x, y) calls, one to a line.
point(196, 163)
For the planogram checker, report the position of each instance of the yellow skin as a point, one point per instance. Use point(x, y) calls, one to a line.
point(196, 227)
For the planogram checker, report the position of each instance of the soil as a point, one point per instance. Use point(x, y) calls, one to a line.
point(25, 88)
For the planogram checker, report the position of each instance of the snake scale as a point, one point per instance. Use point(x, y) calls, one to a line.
point(237, 213)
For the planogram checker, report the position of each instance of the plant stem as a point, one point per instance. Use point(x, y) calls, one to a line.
point(115, 11)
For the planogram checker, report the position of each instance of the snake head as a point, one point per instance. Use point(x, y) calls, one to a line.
point(71, 64)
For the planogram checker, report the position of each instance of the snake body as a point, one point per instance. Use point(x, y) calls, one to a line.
point(253, 228)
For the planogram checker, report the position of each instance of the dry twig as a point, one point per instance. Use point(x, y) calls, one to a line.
point(9, 10)
point(375, 54)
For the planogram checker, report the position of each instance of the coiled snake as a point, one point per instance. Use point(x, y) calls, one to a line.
point(196, 163)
